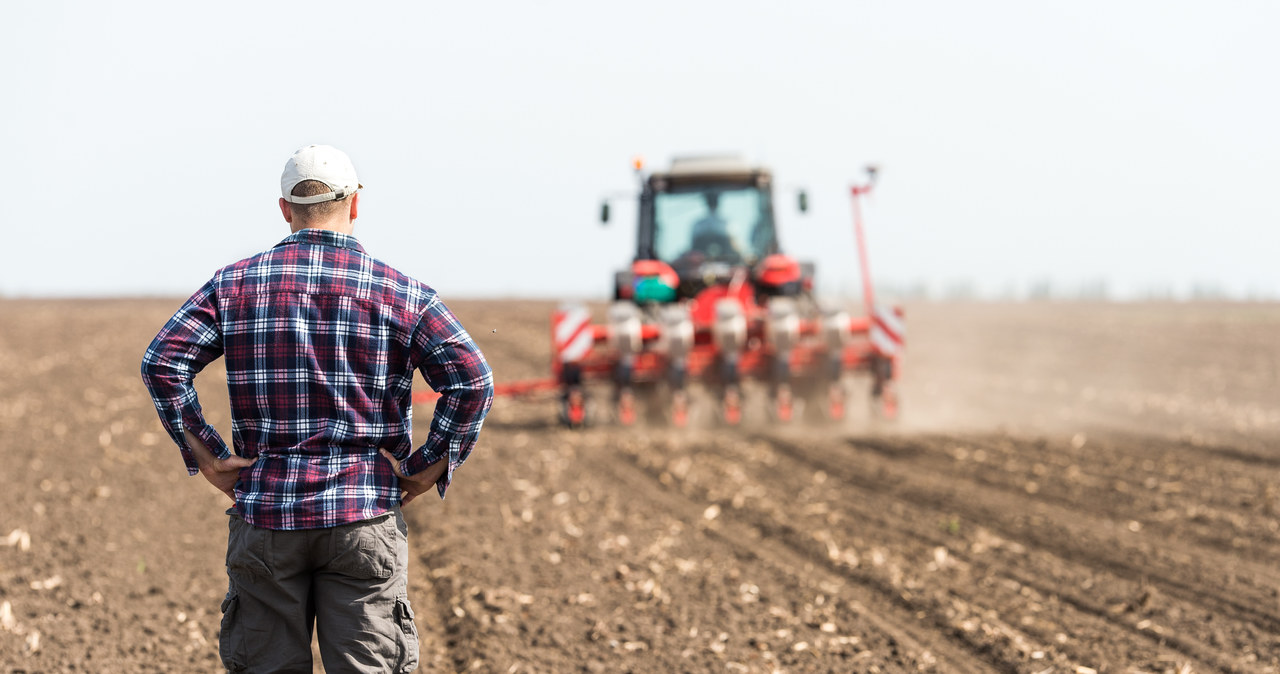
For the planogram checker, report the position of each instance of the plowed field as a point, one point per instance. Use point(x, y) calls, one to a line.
point(1072, 488)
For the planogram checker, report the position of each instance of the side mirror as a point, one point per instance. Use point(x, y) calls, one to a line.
point(802, 200)
point(604, 212)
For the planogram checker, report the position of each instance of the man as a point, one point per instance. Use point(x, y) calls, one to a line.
point(711, 223)
point(711, 233)
point(321, 342)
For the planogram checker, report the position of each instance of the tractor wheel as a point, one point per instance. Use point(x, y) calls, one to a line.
point(835, 403)
point(732, 406)
point(680, 409)
point(884, 403)
point(783, 404)
point(884, 391)
point(626, 408)
point(889, 403)
point(573, 408)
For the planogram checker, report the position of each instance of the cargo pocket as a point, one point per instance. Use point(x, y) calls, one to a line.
point(247, 548)
point(366, 549)
point(231, 635)
point(407, 636)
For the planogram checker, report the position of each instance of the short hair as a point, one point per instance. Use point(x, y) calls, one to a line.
point(324, 210)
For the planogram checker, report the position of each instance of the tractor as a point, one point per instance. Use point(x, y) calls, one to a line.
point(712, 300)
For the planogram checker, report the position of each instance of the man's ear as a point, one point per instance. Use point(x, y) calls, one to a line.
point(355, 204)
point(286, 211)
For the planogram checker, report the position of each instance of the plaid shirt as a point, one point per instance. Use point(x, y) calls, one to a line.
point(321, 343)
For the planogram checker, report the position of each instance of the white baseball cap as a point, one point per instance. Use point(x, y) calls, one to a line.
point(325, 163)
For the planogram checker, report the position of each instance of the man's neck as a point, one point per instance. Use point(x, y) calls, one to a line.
point(331, 226)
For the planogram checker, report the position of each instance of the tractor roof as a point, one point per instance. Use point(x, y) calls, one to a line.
point(712, 167)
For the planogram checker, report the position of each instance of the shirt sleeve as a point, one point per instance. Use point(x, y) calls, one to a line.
point(453, 366)
point(188, 342)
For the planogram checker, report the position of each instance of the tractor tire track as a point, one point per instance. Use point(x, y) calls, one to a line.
point(1167, 568)
point(1004, 643)
point(927, 602)
point(885, 610)
point(1253, 618)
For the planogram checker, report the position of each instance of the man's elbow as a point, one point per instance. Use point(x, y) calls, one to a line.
point(480, 391)
point(488, 394)
point(150, 371)
point(155, 370)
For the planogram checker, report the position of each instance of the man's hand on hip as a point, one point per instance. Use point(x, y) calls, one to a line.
point(221, 473)
point(422, 482)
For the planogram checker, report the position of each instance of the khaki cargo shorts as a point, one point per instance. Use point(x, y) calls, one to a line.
point(349, 582)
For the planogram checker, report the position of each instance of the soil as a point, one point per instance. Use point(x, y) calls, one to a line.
point(1072, 488)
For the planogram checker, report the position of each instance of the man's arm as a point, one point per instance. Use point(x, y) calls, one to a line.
point(188, 342)
point(453, 366)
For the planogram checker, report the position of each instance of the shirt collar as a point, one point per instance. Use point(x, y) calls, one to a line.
point(322, 237)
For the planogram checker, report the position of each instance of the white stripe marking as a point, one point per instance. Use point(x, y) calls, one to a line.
point(569, 323)
point(573, 334)
point(892, 323)
point(578, 348)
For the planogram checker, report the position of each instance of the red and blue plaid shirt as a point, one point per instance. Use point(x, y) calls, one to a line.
point(321, 343)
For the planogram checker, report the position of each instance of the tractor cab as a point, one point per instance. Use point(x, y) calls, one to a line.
point(707, 210)
point(703, 220)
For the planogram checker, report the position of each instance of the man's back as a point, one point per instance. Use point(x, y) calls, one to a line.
point(321, 342)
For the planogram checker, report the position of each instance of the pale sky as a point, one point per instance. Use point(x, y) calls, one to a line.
point(1132, 142)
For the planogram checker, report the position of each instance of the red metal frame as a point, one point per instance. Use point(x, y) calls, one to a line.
point(515, 388)
point(650, 366)
point(868, 293)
